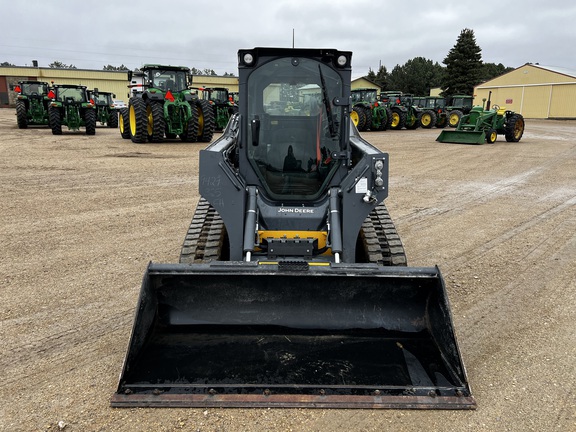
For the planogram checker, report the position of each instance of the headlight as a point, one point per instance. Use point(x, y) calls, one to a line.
point(248, 58)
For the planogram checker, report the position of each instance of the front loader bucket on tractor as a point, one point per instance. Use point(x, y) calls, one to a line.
point(462, 137)
point(238, 334)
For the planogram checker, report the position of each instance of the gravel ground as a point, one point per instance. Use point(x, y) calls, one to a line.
point(82, 216)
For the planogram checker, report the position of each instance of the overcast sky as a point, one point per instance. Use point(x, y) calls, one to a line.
point(208, 34)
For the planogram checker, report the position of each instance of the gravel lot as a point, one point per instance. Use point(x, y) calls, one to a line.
point(82, 216)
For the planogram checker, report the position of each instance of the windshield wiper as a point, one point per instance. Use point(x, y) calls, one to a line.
point(326, 101)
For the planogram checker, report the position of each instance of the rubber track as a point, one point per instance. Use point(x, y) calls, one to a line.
point(205, 237)
point(381, 240)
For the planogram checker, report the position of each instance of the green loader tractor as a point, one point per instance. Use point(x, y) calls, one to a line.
point(167, 108)
point(367, 112)
point(31, 103)
point(106, 113)
point(480, 126)
point(70, 106)
point(223, 104)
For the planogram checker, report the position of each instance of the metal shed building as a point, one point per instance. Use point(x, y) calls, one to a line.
point(533, 90)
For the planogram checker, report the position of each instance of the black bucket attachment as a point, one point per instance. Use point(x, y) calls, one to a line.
point(239, 334)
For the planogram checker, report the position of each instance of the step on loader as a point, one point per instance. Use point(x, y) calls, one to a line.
point(292, 288)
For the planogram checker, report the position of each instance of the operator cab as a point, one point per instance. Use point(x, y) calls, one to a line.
point(174, 80)
point(295, 128)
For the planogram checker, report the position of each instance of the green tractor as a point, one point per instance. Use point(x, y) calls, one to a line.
point(70, 106)
point(457, 106)
point(167, 108)
point(404, 113)
point(32, 103)
point(223, 104)
point(434, 113)
point(480, 126)
point(106, 113)
point(367, 112)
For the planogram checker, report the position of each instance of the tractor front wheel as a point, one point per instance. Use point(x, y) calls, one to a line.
point(514, 128)
point(491, 136)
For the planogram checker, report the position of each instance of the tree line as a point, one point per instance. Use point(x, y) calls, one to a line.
point(463, 71)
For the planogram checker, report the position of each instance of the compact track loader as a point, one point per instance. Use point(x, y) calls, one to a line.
point(292, 288)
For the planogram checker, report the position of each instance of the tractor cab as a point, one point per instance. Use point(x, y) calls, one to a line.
point(175, 79)
point(217, 95)
point(102, 98)
point(463, 103)
point(32, 89)
point(364, 95)
point(435, 103)
point(69, 94)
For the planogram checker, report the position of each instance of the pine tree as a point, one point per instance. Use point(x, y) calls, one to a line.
point(463, 66)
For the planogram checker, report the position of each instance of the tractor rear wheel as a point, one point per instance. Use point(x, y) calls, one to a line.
point(124, 123)
point(361, 115)
point(368, 114)
point(156, 123)
point(113, 119)
point(413, 121)
point(191, 129)
point(21, 117)
point(454, 118)
point(55, 120)
point(380, 115)
point(388, 118)
point(441, 121)
point(514, 128)
point(428, 119)
point(90, 121)
point(355, 118)
point(137, 120)
point(398, 119)
point(206, 123)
